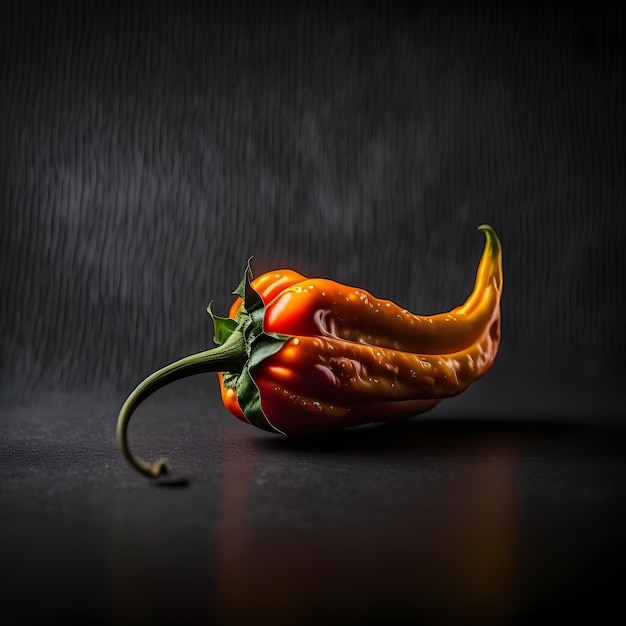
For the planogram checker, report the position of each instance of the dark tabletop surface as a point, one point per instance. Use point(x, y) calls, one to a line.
point(473, 516)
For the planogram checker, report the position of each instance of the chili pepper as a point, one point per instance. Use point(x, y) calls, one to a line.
point(298, 355)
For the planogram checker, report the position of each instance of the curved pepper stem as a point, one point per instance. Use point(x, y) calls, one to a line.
point(230, 356)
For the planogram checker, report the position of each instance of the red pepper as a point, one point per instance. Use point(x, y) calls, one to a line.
point(298, 355)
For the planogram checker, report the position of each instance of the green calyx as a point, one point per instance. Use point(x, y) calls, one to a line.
point(241, 345)
point(258, 345)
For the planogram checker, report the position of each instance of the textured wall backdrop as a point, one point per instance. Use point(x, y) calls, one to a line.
point(149, 148)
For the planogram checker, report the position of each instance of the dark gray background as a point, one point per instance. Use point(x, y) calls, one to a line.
point(147, 149)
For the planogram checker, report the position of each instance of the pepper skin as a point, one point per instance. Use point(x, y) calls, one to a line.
point(298, 355)
point(323, 307)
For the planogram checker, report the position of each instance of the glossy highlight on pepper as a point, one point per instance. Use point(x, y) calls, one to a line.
point(299, 355)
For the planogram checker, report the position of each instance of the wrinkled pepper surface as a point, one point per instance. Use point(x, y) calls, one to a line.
point(298, 355)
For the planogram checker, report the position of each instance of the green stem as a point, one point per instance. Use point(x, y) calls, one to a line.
point(229, 357)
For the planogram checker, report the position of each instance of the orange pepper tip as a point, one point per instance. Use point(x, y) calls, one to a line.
point(493, 244)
